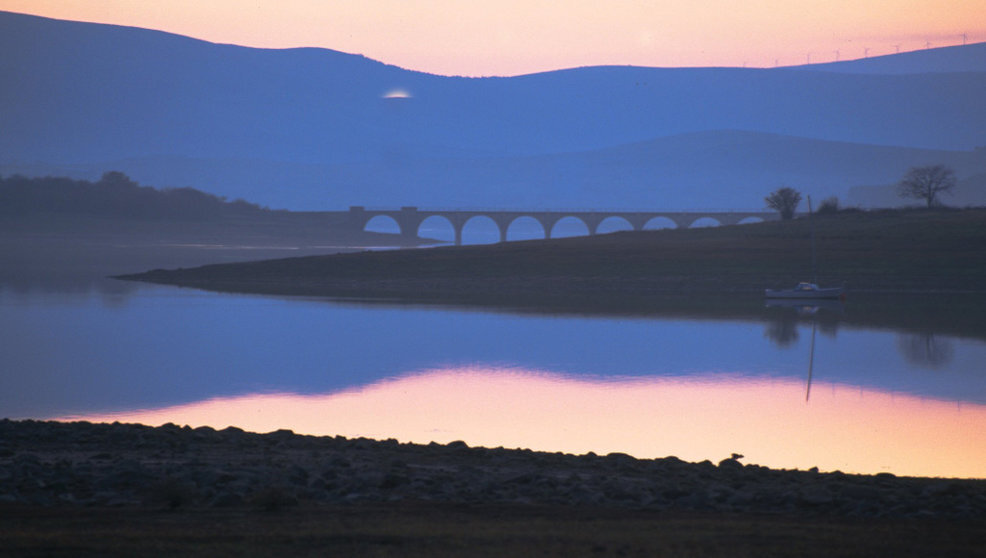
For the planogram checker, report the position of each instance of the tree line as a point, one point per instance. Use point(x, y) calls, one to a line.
point(921, 183)
point(114, 195)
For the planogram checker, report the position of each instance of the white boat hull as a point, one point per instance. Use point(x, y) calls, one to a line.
point(805, 291)
point(834, 292)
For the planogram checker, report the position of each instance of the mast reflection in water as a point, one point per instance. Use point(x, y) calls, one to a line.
point(852, 429)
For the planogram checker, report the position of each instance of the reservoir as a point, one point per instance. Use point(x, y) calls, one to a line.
point(791, 387)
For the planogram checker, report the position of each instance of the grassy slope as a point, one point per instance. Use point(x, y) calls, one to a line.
point(876, 251)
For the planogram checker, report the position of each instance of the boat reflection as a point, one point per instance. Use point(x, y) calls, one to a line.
point(852, 429)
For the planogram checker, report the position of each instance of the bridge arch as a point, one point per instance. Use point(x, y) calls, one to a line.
point(660, 222)
point(480, 229)
point(525, 227)
point(703, 222)
point(569, 225)
point(438, 227)
point(382, 224)
point(750, 219)
point(614, 223)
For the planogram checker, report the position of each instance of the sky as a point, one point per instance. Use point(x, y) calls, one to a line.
point(512, 37)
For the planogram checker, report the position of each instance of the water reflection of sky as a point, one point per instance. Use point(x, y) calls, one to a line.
point(165, 348)
point(697, 417)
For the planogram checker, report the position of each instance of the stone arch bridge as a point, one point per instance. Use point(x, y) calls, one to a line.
point(409, 219)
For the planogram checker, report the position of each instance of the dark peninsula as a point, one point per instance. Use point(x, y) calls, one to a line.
point(900, 251)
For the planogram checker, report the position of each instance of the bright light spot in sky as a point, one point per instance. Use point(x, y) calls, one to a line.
point(511, 37)
point(397, 94)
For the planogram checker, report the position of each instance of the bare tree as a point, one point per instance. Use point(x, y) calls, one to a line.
point(926, 183)
point(926, 349)
point(784, 200)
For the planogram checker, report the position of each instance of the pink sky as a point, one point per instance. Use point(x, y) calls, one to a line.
point(510, 37)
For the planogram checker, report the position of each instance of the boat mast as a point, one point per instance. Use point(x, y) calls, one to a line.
point(811, 359)
point(811, 227)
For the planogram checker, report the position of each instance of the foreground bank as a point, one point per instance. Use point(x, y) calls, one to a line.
point(889, 252)
point(83, 464)
point(127, 490)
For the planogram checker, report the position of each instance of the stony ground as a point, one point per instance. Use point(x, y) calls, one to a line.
point(118, 465)
point(79, 489)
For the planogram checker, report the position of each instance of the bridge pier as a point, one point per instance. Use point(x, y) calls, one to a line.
point(592, 222)
point(548, 223)
point(409, 220)
point(637, 222)
point(503, 224)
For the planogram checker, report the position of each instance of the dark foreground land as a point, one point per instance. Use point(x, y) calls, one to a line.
point(871, 252)
point(83, 489)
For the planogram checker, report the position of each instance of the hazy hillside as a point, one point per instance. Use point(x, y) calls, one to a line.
point(726, 169)
point(308, 128)
point(114, 196)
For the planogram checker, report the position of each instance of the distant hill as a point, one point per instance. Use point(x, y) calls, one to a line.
point(719, 170)
point(965, 58)
point(113, 196)
point(311, 129)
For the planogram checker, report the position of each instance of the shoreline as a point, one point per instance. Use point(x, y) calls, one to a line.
point(134, 466)
point(72, 489)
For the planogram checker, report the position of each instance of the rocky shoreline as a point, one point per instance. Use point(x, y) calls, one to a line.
point(125, 465)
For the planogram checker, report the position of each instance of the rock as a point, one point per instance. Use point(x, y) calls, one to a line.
point(940, 488)
point(815, 495)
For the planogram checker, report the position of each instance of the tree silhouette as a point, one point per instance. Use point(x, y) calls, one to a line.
point(116, 179)
point(784, 200)
point(782, 330)
point(925, 349)
point(926, 183)
point(828, 205)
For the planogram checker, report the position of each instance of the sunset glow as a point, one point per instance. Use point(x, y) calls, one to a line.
point(769, 421)
point(510, 37)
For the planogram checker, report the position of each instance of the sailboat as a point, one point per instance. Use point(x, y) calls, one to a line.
point(805, 289)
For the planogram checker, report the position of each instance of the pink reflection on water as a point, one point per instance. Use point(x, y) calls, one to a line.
point(768, 420)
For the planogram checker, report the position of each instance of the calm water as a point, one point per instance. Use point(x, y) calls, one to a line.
point(877, 399)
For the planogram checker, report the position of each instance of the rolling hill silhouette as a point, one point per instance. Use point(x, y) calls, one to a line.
point(312, 129)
